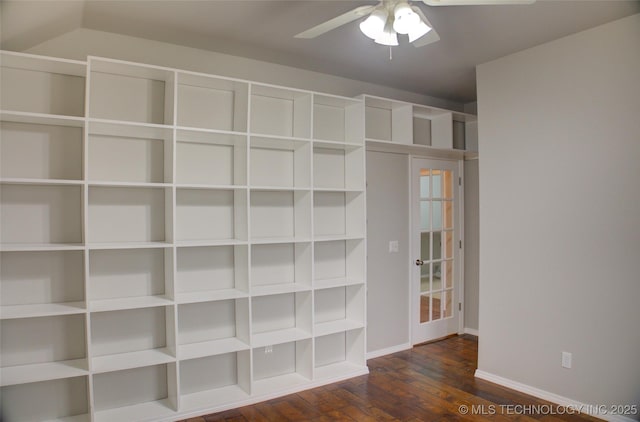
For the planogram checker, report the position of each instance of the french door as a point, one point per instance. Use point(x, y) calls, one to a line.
point(436, 249)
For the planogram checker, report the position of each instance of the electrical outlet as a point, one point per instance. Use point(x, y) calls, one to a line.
point(566, 360)
point(393, 246)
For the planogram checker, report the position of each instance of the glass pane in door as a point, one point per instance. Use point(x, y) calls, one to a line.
point(448, 244)
point(425, 246)
point(447, 307)
point(448, 274)
point(436, 279)
point(425, 305)
point(425, 215)
point(448, 214)
point(436, 306)
point(448, 184)
point(437, 184)
point(425, 184)
point(436, 207)
point(437, 246)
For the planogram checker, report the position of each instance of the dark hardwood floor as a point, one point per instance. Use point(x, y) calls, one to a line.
point(430, 382)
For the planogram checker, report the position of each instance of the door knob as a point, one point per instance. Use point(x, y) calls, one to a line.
point(419, 262)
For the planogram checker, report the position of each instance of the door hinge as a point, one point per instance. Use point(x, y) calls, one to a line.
point(459, 306)
point(461, 244)
point(459, 181)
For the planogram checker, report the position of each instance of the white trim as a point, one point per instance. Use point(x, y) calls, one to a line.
point(435, 330)
point(388, 350)
point(548, 396)
point(472, 331)
point(462, 240)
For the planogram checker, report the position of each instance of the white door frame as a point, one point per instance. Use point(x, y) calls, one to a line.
point(414, 291)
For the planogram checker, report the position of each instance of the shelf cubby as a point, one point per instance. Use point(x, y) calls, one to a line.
point(211, 215)
point(40, 151)
point(338, 309)
point(337, 214)
point(205, 273)
point(465, 132)
point(130, 92)
point(388, 120)
point(338, 119)
point(280, 215)
point(64, 399)
point(339, 263)
point(40, 214)
point(459, 133)
point(130, 278)
point(339, 353)
point(339, 167)
point(279, 163)
point(146, 393)
point(132, 338)
point(212, 103)
point(210, 158)
point(44, 283)
point(280, 112)
point(41, 349)
point(470, 136)
point(432, 127)
point(129, 214)
point(282, 366)
point(213, 381)
point(213, 328)
point(280, 268)
point(129, 153)
point(280, 318)
point(33, 84)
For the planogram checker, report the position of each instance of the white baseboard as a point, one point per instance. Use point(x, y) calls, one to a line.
point(471, 331)
point(388, 350)
point(551, 397)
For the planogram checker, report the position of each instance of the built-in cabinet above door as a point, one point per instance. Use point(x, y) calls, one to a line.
point(422, 130)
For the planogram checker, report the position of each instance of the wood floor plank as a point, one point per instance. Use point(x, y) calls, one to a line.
point(430, 382)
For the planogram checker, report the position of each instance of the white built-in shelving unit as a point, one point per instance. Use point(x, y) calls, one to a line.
point(392, 125)
point(174, 243)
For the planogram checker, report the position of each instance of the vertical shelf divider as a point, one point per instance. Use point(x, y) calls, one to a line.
point(246, 372)
point(173, 374)
point(85, 239)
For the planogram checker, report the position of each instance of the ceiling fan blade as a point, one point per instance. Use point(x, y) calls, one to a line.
point(474, 2)
point(336, 22)
point(431, 36)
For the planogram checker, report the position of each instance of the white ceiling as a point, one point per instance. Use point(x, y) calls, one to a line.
point(264, 30)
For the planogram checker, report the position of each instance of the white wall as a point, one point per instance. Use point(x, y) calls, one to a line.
point(388, 277)
point(80, 43)
point(559, 175)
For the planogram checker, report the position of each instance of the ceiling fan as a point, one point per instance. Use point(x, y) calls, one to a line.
point(392, 17)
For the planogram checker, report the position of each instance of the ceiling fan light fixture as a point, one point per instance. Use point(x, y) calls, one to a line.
point(388, 36)
point(405, 19)
point(418, 31)
point(373, 26)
